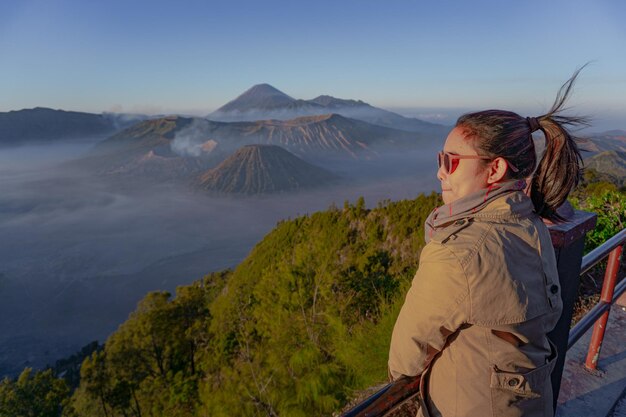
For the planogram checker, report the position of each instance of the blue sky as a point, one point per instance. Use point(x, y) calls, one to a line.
point(193, 56)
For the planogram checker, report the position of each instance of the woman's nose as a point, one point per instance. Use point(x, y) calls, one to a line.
point(441, 174)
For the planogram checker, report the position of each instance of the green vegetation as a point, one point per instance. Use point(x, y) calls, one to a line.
point(69, 368)
point(605, 198)
point(40, 395)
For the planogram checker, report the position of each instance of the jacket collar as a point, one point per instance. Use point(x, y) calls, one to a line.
point(499, 202)
point(510, 206)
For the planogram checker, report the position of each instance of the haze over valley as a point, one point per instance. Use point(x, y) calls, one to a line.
point(90, 226)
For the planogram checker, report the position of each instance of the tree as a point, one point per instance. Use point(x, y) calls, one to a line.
point(33, 395)
point(94, 379)
point(610, 206)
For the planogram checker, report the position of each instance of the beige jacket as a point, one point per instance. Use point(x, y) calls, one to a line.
point(475, 320)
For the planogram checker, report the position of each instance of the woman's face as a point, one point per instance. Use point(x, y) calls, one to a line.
point(469, 176)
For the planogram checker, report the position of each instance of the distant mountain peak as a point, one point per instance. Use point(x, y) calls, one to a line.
point(263, 90)
point(260, 96)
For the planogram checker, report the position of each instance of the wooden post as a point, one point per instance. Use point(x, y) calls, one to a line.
point(568, 240)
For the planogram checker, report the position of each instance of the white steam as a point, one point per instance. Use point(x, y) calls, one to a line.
point(193, 140)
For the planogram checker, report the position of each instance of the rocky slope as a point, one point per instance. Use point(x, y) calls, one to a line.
point(261, 169)
point(613, 140)
point(611, 163)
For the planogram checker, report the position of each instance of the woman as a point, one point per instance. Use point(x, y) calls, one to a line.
point(486, 293)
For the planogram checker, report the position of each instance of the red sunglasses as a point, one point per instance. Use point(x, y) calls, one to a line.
point(450, 161)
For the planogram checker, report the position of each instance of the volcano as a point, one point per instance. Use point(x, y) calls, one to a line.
point(261, 169)
point(264, 102)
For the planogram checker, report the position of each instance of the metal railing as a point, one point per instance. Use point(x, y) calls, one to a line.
point(386, 399)
point(599, 315)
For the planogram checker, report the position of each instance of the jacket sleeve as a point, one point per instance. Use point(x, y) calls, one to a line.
point(436, 305)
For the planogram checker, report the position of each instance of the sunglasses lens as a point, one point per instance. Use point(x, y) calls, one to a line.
point(443, 160)
point(449, 164)
point(452, 164)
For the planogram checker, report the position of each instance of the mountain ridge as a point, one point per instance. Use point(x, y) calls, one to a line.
point(612, 140)
point(45, 125)
point(611, 163)
point(329, 135)
point(263, 102)
point(261, 96)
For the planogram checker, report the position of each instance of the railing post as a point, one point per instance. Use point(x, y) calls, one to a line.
point(610, 278)
point(568, 240)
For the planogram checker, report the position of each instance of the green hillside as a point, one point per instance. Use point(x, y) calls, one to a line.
point(292, 331)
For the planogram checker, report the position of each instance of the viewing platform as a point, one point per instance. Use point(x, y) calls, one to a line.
point(587, 393)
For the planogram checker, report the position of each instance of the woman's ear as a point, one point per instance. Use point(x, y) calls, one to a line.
point(497, 170)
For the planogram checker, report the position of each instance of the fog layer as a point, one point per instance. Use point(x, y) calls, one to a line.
point(77, 252)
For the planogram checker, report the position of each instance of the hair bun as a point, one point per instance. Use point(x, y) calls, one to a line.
point(533, 123)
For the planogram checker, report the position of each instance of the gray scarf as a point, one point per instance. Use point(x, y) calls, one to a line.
point(467, 205)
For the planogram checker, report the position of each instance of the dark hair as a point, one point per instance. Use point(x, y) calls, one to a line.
point(500, 133)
